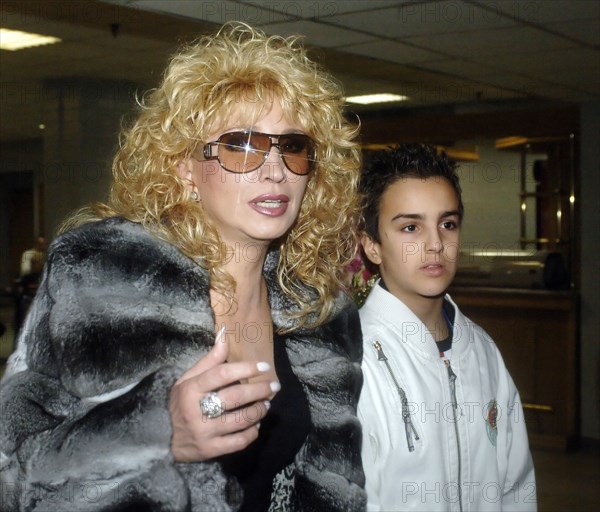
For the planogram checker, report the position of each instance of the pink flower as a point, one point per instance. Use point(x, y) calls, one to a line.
point(355, 265)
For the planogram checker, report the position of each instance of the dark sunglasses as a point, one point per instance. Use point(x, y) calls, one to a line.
point(246, 151)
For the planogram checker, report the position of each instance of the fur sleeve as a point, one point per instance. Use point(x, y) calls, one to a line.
point(85, 423)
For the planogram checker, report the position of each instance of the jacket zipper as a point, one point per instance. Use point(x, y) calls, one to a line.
point(409, 428)
point(452, 380)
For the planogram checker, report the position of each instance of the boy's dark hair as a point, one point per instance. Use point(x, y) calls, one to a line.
point(385, 167)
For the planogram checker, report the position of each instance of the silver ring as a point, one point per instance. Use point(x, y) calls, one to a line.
point(211, 405)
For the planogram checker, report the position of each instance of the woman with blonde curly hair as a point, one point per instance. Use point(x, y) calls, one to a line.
point(190, 347)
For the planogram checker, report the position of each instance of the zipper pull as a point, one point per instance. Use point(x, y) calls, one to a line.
point(409, 428)
point(452, 378)
point(414, 431)
point(380, 355)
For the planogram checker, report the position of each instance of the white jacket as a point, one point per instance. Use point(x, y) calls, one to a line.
point(415, 455)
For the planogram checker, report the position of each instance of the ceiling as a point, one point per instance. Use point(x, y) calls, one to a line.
point(467, 54)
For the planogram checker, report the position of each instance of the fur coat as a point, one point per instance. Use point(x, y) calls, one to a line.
point(118, 317)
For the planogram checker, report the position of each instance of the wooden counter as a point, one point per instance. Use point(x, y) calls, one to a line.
point(536, 332)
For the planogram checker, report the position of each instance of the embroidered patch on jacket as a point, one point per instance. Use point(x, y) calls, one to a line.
point(491, 416)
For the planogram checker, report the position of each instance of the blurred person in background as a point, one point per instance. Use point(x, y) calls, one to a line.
point(25, 287)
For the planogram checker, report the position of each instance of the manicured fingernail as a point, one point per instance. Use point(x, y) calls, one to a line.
point(258, 425)
point(275, 386)
point(263, 367)
point(267, 404)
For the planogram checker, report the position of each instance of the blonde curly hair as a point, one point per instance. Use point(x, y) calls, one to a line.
point(202, 85)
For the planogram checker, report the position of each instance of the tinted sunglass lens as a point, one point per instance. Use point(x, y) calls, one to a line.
point(242, 151)
point(298, 153)
point(294, 144)
point(246, 151)
point(234, 141)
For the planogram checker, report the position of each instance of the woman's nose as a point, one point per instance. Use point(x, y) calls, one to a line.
point(274, 167)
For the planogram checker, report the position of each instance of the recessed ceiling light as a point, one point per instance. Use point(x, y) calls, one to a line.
point(367, 99)
point(17, 40)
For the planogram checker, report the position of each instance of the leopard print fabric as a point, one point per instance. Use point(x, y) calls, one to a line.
point(281, 493)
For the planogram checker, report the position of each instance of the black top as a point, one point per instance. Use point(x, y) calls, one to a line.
point(282, 433)
point(449, 314)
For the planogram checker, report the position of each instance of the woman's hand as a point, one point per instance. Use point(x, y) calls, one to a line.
point(197, 437)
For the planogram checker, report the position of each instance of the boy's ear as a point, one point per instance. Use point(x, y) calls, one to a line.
point(371, 249)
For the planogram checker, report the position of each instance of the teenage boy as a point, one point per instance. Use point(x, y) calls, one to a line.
point(443, 427)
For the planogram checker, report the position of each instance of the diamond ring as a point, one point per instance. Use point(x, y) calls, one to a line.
point(211, 405)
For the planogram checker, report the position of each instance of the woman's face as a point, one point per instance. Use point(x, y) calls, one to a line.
point(255, 207)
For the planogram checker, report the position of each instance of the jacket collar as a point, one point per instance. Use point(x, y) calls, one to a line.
point(391, 314)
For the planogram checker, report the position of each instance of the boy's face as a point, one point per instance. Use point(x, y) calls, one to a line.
point(419, 230)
